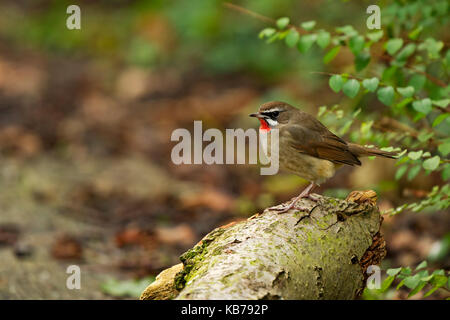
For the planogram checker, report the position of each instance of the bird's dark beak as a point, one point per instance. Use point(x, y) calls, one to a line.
point(256, 115)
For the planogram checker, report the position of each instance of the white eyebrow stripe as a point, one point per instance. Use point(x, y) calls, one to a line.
point(271, 110)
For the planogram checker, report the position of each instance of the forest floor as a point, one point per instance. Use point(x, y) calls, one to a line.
point(86, 177)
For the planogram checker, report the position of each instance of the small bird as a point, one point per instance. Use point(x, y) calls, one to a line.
point(307, 148)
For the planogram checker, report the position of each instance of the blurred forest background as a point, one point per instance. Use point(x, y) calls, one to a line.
point(85, 123)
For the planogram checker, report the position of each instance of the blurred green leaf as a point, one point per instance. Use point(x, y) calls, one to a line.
point(441, 103)
point(444, 148)
point(406, 91)
point(400, 172)
point(308, 25)
point(267, 32)
point(417, 81)
point(371, 84)
point(292, 38)
point(422, 265)
point(282, 22)
point(356, 44)
point(393, 45)
point(407, 51)
point(323, 39)
point(375, 36)
point(306, 41)
point(386, 95)
point(362, 59)
point(440, 118)
point(336, 82)
point(414, 171)
point(331, 54)
point(394, 271)
point(432, 163)
point(423, 106)
point(351, 88)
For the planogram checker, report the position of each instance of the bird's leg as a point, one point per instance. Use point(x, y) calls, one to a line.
point(306, 193)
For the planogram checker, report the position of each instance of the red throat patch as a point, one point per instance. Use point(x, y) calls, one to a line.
point(264, 126)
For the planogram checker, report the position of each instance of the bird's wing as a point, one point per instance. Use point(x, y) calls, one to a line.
point(317, 141)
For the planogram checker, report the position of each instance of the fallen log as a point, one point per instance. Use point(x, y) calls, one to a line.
point(322, 253)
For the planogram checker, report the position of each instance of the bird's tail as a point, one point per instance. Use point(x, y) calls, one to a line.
point(361, 151)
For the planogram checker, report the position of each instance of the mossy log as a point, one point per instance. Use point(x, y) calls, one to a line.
point(321, 253)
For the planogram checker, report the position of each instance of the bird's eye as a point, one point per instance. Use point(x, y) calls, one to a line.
point(275, 114)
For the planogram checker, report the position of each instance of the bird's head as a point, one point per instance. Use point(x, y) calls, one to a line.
point(274, 113)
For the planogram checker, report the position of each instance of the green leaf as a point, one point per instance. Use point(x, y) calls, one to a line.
point(432, 47)
point(282, 22)
point(440, 118)
point(331, 54)
point(404, 102)
point(323, 39)
point(348, 30)
point(414, 155)
point(406, 271)
point(362, 59)
point(446, 172)
point(375, 36)
point(351, 88)
point(406, 51)
point(267, 32)
point(308, 25)
point(422, 106)
point(393, 45)
point(413, 281)
point(356, 44)
point(438, 280)
point(387, 283)
point(417, 289)
point(400, 172)
point(422, 265)
point(444, 148)
point(336, 82)
point(415, 33)
point(386, 95)
point(401, 284)
point(432, 163)
point(306, 42)
point(430, 292)
point(406, 91)
point(393, 272)
point(417, 81)
point(425, 136)
point(441, 103)
point(292, 38)
point(413, 172)
point(371, 84)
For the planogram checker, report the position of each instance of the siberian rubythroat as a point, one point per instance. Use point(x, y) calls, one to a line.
point(307, 148)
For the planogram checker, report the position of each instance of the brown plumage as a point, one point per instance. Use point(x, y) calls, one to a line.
point(306, 147)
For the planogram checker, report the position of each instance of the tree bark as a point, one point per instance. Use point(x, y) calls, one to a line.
point(321, 253)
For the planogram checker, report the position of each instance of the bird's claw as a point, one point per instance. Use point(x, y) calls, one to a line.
point(286, 208)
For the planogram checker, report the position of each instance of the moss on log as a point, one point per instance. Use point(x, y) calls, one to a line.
point(321, 253)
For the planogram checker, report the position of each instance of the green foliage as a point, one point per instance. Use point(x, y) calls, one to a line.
point(416, 280)
point(407, 82)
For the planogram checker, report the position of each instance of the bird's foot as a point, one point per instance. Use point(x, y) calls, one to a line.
point(293, 204)
point(287, 207)
point(312, 197)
